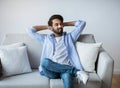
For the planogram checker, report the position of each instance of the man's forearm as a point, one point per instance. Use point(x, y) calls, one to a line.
point(44, 27)
point(41, 27)
point(71, 23)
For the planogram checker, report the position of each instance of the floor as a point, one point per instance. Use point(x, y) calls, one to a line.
point(116, 81)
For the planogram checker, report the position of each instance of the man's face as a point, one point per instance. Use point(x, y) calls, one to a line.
point(57, 26)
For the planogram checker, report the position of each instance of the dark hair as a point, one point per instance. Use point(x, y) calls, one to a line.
point(56, 16)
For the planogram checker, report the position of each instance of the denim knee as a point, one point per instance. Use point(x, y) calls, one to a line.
point(45, 62)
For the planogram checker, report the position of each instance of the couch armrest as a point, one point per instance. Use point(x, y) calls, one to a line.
point(105, 68)
point(0, 68)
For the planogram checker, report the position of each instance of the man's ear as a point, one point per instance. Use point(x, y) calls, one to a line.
point(50, 27)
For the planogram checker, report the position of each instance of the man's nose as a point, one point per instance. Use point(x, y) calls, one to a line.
point(60, 26)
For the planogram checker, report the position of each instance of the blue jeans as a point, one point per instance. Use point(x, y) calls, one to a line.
point(54, 70)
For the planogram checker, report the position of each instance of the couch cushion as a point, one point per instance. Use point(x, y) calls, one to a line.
point(88, 53)
point(86, 38)
point(29, 80)
point(12, 45)
point(93, 82)
point(34, 48)
point(14, 60)
point(58, 83)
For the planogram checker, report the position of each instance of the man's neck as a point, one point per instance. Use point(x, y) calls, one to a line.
point(57, 35)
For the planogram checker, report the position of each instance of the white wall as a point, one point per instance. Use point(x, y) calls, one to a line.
point(102, 17)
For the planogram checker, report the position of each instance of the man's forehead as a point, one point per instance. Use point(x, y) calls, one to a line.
point(56, 21)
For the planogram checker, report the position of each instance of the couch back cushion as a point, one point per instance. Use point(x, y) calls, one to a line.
point(34, 48)
point(87, 38)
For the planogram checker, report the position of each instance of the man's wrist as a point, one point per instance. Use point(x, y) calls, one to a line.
point(80, 22)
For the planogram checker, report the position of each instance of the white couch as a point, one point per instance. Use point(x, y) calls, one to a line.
point(101, 79)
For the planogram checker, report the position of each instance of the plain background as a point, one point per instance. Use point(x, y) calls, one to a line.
point(102, 17)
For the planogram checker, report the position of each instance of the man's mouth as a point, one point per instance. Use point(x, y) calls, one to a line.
point(59, 30)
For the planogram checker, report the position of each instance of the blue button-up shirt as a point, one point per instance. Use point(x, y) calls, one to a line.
point(48, 42)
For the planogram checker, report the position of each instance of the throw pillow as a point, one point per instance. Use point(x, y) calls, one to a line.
point(88, 53)
point(14, 60)
point(9, 46)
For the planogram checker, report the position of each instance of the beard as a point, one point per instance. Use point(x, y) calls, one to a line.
point(59, 31)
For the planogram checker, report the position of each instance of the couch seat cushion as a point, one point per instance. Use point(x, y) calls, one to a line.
point(93, 82)
point(28, 80)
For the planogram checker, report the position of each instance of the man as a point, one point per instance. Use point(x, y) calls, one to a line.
point(59, 57)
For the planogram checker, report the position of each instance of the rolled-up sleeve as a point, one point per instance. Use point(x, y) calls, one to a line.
point(79, 26)
point(36, 36)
